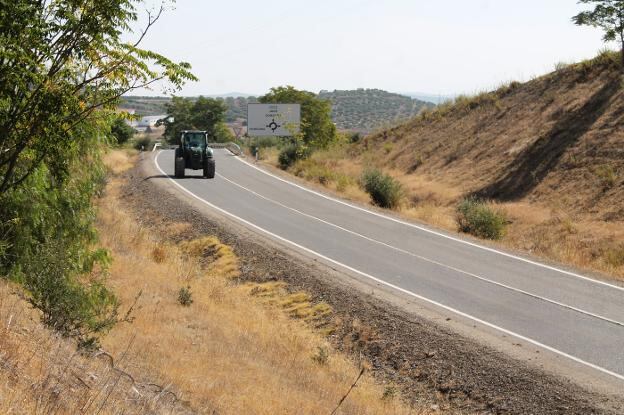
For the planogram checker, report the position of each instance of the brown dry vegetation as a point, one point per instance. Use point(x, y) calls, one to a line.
point(549, 153)
point(250, 348)
point(42, 373)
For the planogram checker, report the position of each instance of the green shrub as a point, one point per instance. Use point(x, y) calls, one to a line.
point(121, 131)
point(46, 244)
point(291, 154)
point(143, 143)
point(287, 157)
point(476, 218)
point(185, 297)
point(265, 142)
point(355, 137)
point(78, 306)
point(384, 190)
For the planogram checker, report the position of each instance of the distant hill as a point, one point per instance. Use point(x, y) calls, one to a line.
point(232, 95)
point(361, 109)
point(433, 98)
point(144, 105)
point(369, 109)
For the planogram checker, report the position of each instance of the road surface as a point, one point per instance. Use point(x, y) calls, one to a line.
point(573, 316)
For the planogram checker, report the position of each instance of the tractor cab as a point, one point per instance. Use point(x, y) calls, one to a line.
point(194, 139)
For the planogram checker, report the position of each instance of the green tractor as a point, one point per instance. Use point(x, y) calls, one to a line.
point(194, 153)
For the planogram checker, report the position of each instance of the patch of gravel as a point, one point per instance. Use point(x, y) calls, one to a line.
point(432, 365)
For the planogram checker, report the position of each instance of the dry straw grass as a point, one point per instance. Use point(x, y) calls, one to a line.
point(41, 373)
point(235, 349)
point(232, 349)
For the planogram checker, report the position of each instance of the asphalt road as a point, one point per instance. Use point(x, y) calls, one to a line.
point(576, 317)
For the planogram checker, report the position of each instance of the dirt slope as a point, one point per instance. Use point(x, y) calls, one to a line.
point(556, 139)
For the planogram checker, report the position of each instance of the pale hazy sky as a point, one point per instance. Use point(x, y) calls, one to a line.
point(438, 47)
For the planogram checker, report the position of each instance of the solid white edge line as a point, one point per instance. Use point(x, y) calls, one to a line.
point(412, 294)
point(402, 222)
point(431, 261)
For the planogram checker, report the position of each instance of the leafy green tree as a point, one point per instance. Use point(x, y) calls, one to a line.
point(63, 67)
point(317, 128)
point(208, 114)
point(195, 114)
point(60, 61)
point(47, 229)
point(178, 118)
point(608, 15)
point(223, 134)
point(121, 131)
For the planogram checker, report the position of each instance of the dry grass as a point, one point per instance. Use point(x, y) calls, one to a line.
point(41, 373)
point(253, 348)
point(118, 162)
point(236, 349)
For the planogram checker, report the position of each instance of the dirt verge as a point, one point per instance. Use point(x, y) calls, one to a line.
point(431, 364)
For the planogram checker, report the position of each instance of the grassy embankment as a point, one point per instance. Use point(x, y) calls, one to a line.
point(233, 348)
point(545, 155)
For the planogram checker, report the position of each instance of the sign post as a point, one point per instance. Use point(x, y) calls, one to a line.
point(273, 120)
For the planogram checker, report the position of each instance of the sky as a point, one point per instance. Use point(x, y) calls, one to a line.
point(442, 47)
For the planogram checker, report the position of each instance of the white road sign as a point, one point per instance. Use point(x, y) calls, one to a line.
point(280, 120)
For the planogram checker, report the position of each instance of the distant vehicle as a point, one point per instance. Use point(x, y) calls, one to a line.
point(194, 153)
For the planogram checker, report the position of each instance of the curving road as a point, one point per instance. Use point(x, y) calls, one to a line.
point(573, 316)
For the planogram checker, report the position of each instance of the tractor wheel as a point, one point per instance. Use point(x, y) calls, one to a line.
point(209, 169)
point(179, 167)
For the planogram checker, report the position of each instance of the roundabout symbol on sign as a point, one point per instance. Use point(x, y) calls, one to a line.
point(273, 125)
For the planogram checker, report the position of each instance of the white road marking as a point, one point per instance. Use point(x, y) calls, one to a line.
point(412, 225)
point(387, 284)
point(431, 261)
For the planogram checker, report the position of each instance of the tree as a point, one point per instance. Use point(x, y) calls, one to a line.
point(208, 114)
point(121, 131)
point(200, 114)
point(178, 118)
point(317, 127)
point(223, 134)
point(63, 67)
point(607, 15)
point(60, 62)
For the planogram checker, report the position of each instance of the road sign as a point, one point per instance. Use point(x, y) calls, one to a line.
point(281, 120)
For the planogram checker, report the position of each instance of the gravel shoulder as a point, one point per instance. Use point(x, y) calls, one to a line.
point(428, 356)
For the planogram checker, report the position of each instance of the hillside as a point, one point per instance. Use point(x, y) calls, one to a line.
point(368, 109)
point(556, 139)
point(548, 154)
